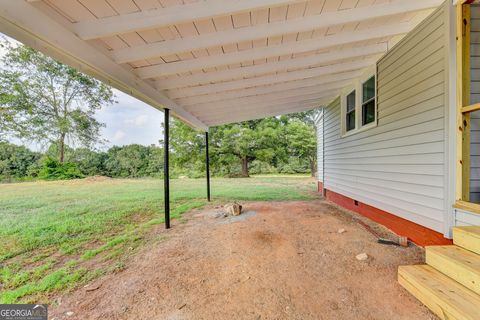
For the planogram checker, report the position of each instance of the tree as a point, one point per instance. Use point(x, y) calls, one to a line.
point(247, 141)
point(11, 120)
point(187, 147)
point(134, 161)
point(16, 161)
point(301, 142)
point(286, 143)
point(46, 101)
point(89, 162)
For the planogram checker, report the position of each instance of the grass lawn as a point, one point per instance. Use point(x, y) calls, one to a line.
point(55, 236)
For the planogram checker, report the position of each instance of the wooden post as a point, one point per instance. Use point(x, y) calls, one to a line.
point(463, 92)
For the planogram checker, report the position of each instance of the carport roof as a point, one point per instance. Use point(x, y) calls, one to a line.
point(213, 62)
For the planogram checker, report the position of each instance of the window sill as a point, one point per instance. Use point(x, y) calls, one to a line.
point(363, 128)
point(467, 206)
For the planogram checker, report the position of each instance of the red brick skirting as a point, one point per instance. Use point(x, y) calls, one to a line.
point(418, 234)
point(320, 187)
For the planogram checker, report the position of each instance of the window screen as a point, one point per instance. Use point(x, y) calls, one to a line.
point(350, 111)
point(368, 101)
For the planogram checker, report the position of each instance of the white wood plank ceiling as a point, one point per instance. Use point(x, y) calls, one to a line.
point(217, 61)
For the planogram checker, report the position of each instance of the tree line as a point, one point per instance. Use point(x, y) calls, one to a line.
point(274, 145)
point(20, 163)
point(45, 101)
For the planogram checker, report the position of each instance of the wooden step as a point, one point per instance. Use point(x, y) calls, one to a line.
point(448, 299)
point(459, 264)
point(467, 238)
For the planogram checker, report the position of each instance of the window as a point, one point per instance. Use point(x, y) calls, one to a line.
point(358, 105)
point(350, 111)
point(368, 101)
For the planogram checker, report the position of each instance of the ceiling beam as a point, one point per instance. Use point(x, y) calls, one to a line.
point(274, 110)
point(283, 86)
point(144, 20)
point(341, 38)
point(271, 67)
point(270, 97)
point(234, 109)
point(272, 29)
point(277, 112)
point(22, 21)
point(270, 79)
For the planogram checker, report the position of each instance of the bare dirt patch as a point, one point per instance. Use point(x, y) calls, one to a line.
point(286, 261)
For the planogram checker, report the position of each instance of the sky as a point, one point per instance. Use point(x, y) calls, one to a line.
point(128, 121)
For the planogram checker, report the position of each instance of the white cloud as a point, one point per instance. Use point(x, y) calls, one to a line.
point(141, 120)
point(118, 136)
point(138, 121)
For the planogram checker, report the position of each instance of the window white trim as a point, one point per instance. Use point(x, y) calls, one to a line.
point(357, 85)
point(354, 110)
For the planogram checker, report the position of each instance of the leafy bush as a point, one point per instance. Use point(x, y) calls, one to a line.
point(259, 167)
point(294, 165)
point(16, 162)
point(54, 170)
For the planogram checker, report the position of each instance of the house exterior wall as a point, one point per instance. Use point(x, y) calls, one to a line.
point(475, 156)
point(475, 52)
point(399, 166)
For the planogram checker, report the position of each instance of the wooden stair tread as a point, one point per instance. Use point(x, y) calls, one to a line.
point(457, 263)
point(467, 238)
point(445, 297)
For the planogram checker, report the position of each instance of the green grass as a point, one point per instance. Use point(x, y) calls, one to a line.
point(54, 235)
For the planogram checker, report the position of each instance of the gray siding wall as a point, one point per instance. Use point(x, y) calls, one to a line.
point(475, 156)
point(398, 166)
point(475, 98)
point(319, 126)
point(475, 52)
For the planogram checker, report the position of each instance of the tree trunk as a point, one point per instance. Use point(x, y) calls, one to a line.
point(313, 168)
point(61, 148)
point(245, 167)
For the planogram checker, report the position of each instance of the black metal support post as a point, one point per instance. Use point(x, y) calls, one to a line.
point(166, 178)
point(207, 165)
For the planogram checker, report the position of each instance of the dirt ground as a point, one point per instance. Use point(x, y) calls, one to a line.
point(280, 260)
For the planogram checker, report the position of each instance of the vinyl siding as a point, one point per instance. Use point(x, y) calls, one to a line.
point(475, 98)
point(475, 156)
point(475, 52)
point(319, 126)
point(399, 165)
point(465, 218)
